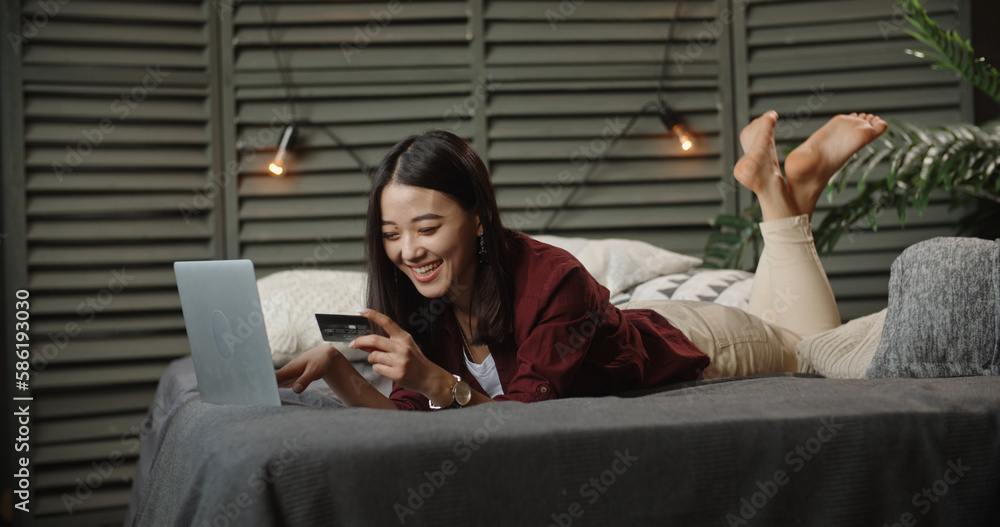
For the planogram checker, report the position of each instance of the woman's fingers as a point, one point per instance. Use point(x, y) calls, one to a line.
point(288, 372)
point(385, 322)
point(372, 343)
point(304, 369)
point(307, 377)
point(380, 357)
point(294, 376)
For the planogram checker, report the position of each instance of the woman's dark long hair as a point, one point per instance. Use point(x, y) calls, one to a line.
point(444, 162)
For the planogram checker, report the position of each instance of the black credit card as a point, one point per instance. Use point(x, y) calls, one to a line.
point(342, 328)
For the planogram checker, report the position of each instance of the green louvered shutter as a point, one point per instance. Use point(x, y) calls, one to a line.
point(567, 76)
point(810, 60)
point(373, 72)
point(118, 148)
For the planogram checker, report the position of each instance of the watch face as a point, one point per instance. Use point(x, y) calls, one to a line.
point(463, 394)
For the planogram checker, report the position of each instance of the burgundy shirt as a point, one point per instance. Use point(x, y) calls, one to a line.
point(568, 339)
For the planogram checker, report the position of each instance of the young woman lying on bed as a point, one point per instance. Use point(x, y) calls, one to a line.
point(467, 311)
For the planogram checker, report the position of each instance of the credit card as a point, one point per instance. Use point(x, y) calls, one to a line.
point(342, 328)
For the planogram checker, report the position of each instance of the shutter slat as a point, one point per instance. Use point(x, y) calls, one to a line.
point(300, 254)
point(96, 402)
point(102, 498)
point(107, 323)
point(596, 10)
point(868, 262)
point(804, 33)
point(349, 13)
point(314, 161)
point(870, 100)
point(520, 54)
point(102, 182)
point(355, 35)
point(88, 428)
point(304, 185)
point(855, 286)
point(793, 14)
point(852, 80)
point(123, 77)
point(124, 11)
point(106, 375)
point(628, 147)
point(381, 135)
point(684, 240)
point(114, 108)
point(95, 280)
point(662, 193)
point(301, 207)
point(137, 56)
point(589, 127)
point(116, 158)
point(123, 299)
point(505, 32)
point(122, 474)
point(605, 85)
point(328, 235)
point(131, 34)
point(848, 60)
point(81, 350)
point(64, 205)
point(458, 90)
point(358, 111)
point(598, 103)
point(890, 236)
point(502, 73)
point(614, 217)
point(117, 255)
point(614, 169)
point(121, 133)
point(336, 57)
point(406, 73)
point(116, 230)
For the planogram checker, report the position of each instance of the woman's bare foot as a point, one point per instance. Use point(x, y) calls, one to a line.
point(810, 166)
point(758, 169)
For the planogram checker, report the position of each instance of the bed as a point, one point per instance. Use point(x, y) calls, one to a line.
point(801, 449)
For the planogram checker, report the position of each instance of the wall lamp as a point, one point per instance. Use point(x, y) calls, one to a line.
point(674, 123)
point(277, 167)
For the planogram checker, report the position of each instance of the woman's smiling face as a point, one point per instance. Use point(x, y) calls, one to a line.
point(428, 236)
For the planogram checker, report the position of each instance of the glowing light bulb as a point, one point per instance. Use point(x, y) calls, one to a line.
point(683, 137)
point(277, 166)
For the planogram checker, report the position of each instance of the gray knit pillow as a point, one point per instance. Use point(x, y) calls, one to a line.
point(944, 311)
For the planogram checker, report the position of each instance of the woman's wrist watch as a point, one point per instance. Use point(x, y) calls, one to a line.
point(461, 394)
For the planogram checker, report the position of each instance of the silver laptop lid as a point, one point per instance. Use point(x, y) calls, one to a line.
point(225, 327)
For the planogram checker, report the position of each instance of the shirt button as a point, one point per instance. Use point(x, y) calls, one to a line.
point(543, 389)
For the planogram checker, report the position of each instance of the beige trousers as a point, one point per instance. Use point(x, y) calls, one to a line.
point(791, 299)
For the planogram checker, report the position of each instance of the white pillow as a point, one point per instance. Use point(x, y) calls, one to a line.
point(291, 299)
point(619, 264)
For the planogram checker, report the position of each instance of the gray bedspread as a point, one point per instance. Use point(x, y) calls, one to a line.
point(756, 451)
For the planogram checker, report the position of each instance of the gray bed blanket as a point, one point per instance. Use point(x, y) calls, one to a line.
point(757, 451)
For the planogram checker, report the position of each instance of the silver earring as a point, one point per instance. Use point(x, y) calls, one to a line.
point(482, 249)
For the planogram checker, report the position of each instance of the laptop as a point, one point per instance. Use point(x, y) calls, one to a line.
point(225, 327)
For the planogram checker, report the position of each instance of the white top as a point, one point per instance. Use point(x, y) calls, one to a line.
point(486, 374)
